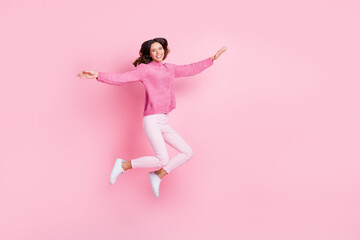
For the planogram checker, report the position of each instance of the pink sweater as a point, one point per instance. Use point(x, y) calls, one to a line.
point(158, 81)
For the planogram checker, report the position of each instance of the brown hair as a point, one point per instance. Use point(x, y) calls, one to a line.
point(145, 50)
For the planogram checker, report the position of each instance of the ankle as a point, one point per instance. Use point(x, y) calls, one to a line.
point(161, 173)
point(126, 165)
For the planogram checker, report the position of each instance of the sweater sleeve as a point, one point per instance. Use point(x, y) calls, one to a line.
point(192, 68)
point(120, 78)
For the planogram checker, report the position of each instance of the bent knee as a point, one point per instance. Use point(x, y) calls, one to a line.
point(162, 161)
point(189, 153)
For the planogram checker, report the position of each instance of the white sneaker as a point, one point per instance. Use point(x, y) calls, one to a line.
point(155, 183)
point(117, 170)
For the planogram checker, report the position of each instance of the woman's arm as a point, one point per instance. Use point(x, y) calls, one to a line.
point(114, 78)
point(193, 68)
point(120, 78)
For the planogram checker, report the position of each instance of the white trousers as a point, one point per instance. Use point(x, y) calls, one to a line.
point(159, 132)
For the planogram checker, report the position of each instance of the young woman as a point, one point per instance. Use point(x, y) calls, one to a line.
point(157, 78)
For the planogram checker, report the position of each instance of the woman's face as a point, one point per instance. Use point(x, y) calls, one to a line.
point(156, 52)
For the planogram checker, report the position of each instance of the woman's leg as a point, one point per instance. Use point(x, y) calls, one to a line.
point(152, 127)
point(176, 141)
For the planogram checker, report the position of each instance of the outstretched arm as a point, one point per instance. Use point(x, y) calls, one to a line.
point(193, 68)
point(120, 78)
point(113, 78)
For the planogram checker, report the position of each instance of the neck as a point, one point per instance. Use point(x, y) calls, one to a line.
point(156, 63)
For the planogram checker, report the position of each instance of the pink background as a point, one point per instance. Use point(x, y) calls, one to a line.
point(274, 123)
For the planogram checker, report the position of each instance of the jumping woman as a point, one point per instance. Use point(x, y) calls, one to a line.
point(157, 78)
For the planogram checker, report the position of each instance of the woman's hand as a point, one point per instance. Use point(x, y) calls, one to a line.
point(88, 74)
point(223, 49)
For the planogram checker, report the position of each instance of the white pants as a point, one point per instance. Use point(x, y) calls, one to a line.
point(159, 132)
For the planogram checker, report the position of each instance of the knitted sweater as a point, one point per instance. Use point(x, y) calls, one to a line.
point(157, 78)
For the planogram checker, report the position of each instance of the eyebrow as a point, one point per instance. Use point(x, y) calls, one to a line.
point(155, 48)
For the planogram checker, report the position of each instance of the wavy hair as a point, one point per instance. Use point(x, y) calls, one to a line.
point(145, 50)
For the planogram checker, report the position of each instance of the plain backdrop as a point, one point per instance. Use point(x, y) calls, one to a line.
point(274, 123)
